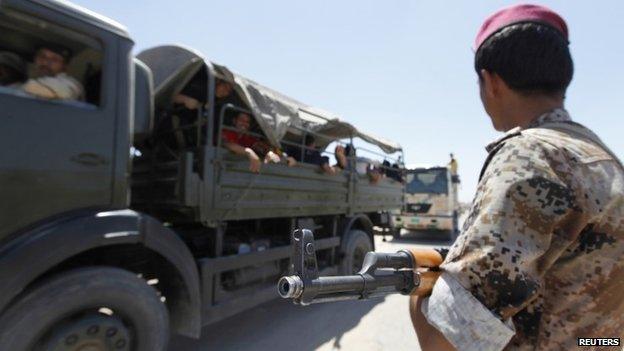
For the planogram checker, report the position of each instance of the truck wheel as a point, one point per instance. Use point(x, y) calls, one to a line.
point(95, 308)
point(357, 243)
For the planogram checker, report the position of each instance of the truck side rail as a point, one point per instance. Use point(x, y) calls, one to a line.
point(281, 191)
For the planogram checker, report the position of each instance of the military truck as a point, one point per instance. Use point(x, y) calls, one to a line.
point(110, 237)
point(431, 201)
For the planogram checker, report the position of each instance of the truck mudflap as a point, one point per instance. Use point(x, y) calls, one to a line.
point(35, 251)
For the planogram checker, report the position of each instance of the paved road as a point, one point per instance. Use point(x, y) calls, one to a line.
point(381, 324)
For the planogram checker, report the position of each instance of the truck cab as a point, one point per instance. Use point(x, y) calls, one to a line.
point(73, 255)
point(62, 155)
point(431, 201)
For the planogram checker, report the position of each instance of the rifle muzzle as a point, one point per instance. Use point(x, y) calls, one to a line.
point(290, 287)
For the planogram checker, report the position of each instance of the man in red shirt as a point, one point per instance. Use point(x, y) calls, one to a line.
point(241, 143)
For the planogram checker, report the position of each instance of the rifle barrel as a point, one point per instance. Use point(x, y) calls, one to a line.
point(346, 287)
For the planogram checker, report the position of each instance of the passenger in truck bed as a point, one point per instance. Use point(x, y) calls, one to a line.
point(241, 143)
point(223, 95)
point(392, 171)
point(178, 128)
point(310, 155)
point(363, 166)
point(50, 80)
point(271, 154)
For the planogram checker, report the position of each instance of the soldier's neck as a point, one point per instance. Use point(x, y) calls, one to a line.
point(522, 110)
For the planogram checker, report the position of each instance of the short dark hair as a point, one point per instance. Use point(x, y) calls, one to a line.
point(243, 114)
point(309, 139)
point(530, 57)
point(58, 49)
point(350, 150)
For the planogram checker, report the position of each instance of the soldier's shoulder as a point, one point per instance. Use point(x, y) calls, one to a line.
point(522, 144)
point(550, 143)
point(523, 156)
point(570, 144)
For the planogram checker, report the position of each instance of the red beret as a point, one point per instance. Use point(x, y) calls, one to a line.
point(518, 14)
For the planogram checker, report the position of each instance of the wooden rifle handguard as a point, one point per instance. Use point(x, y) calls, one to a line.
point(426, 258)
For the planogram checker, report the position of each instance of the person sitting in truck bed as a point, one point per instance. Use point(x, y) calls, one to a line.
point(224, 94)
point(12, 70)
point(240, 142)
point(392, 171)
point(363, 166)
point(177, 127)
point(310, 154)
point(194, 93)
point(184, 117)
point(271, 154)
point(50, 80)
point(343, 153)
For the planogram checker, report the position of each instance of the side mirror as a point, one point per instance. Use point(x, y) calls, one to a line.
point(143, 102)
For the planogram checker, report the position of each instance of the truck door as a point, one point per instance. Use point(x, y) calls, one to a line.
point(57, 153)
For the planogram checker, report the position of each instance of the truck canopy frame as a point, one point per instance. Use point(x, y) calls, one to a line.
point(173, 66)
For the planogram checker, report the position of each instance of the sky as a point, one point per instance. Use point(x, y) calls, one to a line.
point(399, 69)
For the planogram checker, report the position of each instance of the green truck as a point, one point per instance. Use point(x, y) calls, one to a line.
point(110, 237)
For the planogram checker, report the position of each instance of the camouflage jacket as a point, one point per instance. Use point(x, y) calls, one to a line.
point(540, 260)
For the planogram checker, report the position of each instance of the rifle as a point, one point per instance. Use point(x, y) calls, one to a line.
point(408, 272)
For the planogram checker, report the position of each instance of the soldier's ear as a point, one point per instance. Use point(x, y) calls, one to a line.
point(489, 83)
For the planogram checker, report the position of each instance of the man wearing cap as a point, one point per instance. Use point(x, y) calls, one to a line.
point(51, 80)
point(540, 260)
point(12, 70)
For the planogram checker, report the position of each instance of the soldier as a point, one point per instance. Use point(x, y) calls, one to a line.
point(453, 165)
point(51, 80)
point(540, 260)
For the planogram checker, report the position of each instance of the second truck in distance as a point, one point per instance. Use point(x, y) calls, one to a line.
point(431, 201)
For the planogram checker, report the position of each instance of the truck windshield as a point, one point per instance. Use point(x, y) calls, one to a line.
point(427, 181)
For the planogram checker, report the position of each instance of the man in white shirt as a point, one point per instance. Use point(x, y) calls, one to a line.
point(50, 80)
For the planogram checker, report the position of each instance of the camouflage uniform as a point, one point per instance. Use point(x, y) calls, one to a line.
point(540, 261)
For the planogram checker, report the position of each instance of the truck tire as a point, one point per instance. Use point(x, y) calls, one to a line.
point(357, 243)
point(95, 308)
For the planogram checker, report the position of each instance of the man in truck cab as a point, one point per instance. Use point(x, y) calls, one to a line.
point(540, 260)
point(51, 80)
